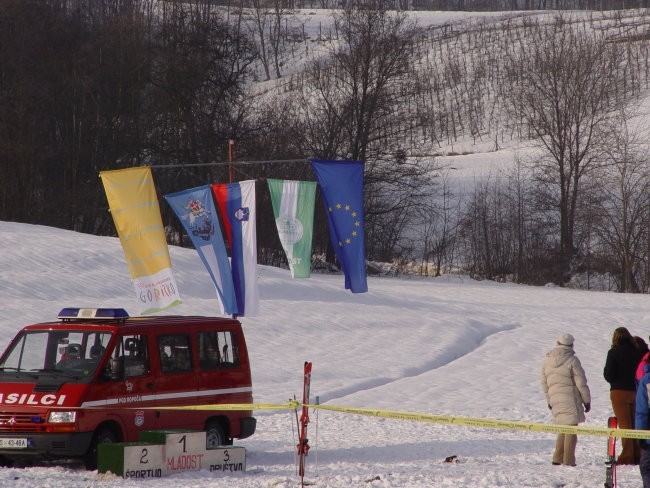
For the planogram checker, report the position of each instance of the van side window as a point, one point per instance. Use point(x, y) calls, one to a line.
point(217, 349)
point(132, 350)
point(175, 353)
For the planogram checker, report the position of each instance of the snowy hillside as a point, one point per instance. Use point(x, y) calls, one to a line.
point(448, 346)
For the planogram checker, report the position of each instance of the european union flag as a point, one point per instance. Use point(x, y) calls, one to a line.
point(341, 184)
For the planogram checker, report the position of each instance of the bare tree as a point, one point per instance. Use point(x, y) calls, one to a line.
point(278, 33)
point(566, 85)
point(488, 231)
point(351, 103)
point(258, 25)
point(622, 226)
point(270, 24)
point(439, 224)
point(200, 62)
point(369, 67)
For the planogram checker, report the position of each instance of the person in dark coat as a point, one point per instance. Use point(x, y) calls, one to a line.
point(620, 369)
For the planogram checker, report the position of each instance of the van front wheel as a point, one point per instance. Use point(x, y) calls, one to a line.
point(103, 435)
point(214, 435)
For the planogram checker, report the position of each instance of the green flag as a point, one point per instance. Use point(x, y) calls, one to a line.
point(293, 208)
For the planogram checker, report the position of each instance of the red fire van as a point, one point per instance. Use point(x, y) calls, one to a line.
point(98, 375)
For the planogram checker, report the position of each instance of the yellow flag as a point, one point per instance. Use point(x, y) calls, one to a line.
point(133, 202)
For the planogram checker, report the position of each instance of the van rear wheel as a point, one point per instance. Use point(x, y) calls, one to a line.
point(103, 435)
point(214, 435)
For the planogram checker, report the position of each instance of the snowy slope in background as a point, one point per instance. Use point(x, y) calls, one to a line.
point(449, 345)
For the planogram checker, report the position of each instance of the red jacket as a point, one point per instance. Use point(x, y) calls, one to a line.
point(641, 366)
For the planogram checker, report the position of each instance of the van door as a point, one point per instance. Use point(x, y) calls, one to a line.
point(177, 383)
point(221, 371)
point(128, 383)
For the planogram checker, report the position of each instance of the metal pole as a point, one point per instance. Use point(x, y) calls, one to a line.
point(231, 146)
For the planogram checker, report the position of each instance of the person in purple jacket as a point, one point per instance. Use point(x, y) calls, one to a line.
point(643, 346)
point(642, 422)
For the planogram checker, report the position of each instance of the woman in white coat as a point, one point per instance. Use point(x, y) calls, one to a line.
point(564, 384)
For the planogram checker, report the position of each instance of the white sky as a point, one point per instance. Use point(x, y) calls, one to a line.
point(447, 346)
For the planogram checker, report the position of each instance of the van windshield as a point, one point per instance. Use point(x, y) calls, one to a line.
point(62, 352)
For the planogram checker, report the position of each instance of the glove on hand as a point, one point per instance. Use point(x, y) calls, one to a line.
point(549, 407)
point(587, 407)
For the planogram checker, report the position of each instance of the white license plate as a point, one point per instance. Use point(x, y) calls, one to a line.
point(13, 443)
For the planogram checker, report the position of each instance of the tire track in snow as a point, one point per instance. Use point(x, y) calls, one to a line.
point(461, 347)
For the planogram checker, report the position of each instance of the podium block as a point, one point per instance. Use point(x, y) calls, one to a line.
point(132, 459)
point(161, 453)
point(226, 459)
point(160, 436)
point(185, 451)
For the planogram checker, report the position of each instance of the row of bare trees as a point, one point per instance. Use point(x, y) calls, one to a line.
point(470, 5)
point(509, 226)
point(578, 204)
point(94, 85)
point(90, 85)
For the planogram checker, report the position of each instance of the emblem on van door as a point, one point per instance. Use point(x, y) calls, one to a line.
point(139, 418)
point(129, 386)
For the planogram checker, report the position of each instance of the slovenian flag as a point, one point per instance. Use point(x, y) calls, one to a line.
point(341, 184)
point(196, 211)
point(236, 203)
point(293, 209)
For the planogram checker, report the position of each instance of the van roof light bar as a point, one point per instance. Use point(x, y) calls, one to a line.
point(73, 313)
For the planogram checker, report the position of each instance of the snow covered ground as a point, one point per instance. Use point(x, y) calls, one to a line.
point(449, 346)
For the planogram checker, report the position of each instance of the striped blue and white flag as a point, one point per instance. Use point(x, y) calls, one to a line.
point(196, 210)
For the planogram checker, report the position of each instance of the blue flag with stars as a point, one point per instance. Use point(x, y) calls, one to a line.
point(341, 184)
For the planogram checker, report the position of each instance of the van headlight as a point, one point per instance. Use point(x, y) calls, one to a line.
point(62, 417)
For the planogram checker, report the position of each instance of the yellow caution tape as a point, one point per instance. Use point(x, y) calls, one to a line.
point(291, 405)
point(430, 418)
point(489, 423)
